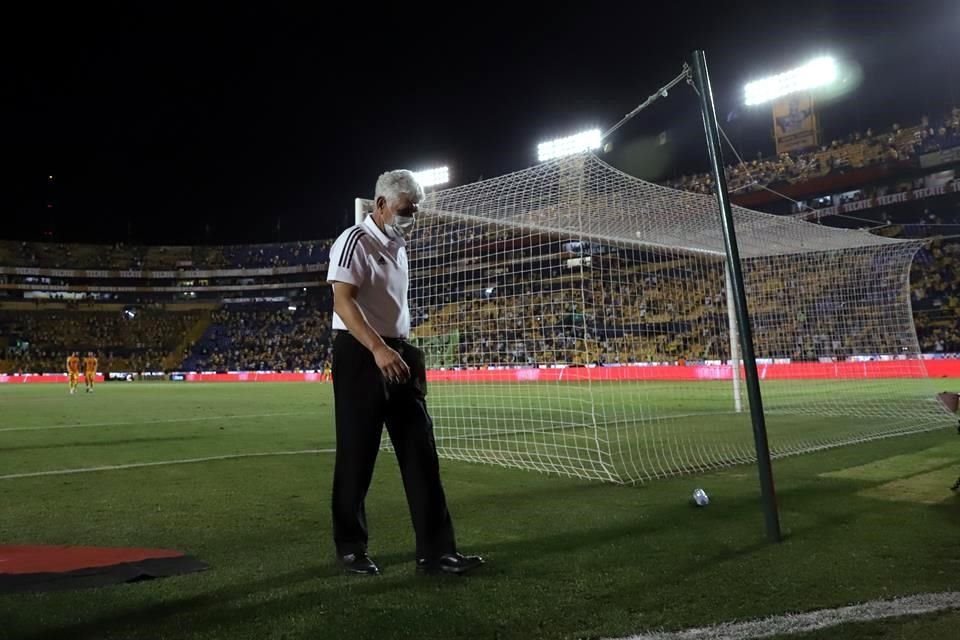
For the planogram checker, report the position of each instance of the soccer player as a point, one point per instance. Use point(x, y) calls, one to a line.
point(90, 370)
point(73, 371)
point(379, 377)
point(325, 376)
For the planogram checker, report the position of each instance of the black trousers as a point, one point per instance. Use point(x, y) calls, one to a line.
point(364, 401)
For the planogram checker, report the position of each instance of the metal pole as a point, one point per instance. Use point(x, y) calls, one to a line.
point(708, 110)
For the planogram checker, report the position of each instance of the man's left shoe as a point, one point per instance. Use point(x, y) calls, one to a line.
point(452, 563)
point(358, 563)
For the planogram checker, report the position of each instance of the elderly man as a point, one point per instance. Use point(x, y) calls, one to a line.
point(379, 378)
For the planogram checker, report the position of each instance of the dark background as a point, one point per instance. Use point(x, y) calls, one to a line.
point(167, 124)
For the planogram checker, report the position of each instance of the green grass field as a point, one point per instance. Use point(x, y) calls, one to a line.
point(658, 429)
point(567, 558)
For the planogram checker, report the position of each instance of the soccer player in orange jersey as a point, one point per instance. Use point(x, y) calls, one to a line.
point(90, 370)
point(73, 371)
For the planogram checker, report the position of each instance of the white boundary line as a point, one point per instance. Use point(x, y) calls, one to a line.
point(793, 623)
point(160, 463)
point(85, 425)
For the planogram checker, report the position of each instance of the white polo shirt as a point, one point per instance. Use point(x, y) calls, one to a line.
point(365, 256)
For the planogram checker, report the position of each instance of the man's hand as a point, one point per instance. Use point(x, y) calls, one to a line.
point(392, 366)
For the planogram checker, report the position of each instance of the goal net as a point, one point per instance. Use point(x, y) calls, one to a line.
point(576, 322)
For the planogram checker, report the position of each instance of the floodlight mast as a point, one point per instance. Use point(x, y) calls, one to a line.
point(819, 72)
point(571, 145)
point(433, 177)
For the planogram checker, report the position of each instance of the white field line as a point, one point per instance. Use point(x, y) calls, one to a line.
point(86, 425)
point(794, 623)
point(161, 463)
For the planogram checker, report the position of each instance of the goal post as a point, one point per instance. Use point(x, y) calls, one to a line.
point(735, 359)
point(362, 207)
point(580, 321)
point(583, 327)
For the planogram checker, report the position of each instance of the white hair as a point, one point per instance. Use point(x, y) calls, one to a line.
point(392, 184)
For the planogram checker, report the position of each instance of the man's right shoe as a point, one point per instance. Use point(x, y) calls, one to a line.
point(448, 563)
point(358, 563)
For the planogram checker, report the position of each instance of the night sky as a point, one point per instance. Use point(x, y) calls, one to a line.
point(187, 125)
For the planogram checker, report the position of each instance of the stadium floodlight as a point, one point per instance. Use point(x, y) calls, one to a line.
point(585, 141)
point(819, 72)
point(433, 177)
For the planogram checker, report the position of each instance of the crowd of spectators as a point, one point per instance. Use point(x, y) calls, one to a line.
point(264, 337)
point(857, 150)
point(641, 308)
point(935, 296)
point(626, 308)
point(121, 257)
point(278, 255)
point(40, 341)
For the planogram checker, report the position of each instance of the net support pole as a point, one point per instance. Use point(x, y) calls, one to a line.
point(701, 79)
point(734, 343)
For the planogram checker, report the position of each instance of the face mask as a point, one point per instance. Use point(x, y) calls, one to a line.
point(402, 226)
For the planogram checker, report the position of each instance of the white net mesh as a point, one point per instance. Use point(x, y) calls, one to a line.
point(576, 321)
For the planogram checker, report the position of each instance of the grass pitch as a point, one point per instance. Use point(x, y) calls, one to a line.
point(567, 558)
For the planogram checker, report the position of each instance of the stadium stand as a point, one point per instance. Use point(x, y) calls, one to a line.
point(123, 257)
point(856, 151)
point(265, 320)
point(271, 336)
point(264, 337)
point(142, 308)
point(935, 293)
point(40, 339)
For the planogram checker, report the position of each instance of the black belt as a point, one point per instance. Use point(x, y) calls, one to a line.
point(387, 339)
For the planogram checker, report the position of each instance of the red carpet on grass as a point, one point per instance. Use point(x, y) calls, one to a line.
point(49, 568)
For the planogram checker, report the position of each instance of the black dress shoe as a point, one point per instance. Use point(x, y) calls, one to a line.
point(359, 563)
point(453, 563)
